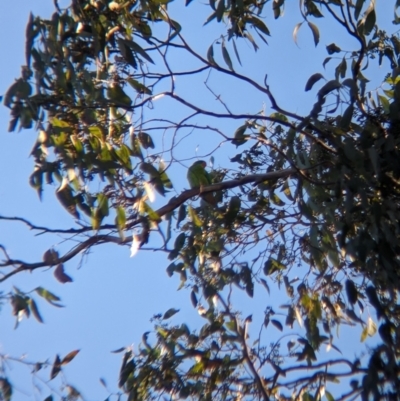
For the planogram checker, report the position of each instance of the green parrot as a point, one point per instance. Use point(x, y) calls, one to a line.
point(199, 177)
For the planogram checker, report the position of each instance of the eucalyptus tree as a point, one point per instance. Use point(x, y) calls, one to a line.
point(306, 202)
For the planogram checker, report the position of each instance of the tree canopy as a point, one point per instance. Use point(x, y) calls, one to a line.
point(305, 204)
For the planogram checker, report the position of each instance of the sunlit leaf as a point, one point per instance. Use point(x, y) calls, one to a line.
point(69, 357)
point(315, 32)
point(296, 31)
point(47, 295)
point(194, 217)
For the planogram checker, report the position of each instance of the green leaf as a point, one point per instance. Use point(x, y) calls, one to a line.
point(219, 12)
point(194, 217)
point(260, 25)
point(236, 51)
point(272, 265)
point(120, 218)
point(152, 214)
point(117, 95)
point(286, 190)
point(346, 118)
point(313, 10)
point(211, 17)
point(138, 49)
point(340, 70)
point(276, 200)
point(233, 210)
point(370, 20)
point(140, 88)
point(374, 157)
point(276, 8)
point(384, 103)
point(30, 34)
point(150, 169)
point(226, 56)
point(329, 396)
point(326, 61)
point(126, 53)
point(47, 295)
point(35, 310)
point(357, 8)
point(210, 55)
point(163, 175)
point(103, 204)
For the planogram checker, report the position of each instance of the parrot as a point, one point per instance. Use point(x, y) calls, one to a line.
point(198, 176)
point(66, 198)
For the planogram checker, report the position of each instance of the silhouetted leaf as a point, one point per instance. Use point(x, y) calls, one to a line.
point(169, 313)
point(312, 80)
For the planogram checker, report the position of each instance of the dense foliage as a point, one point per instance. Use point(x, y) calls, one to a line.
point(308, 203)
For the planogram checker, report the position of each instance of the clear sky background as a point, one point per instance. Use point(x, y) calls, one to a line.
point(112, 298)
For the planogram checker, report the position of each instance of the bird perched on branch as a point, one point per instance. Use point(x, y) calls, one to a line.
point(198, 177)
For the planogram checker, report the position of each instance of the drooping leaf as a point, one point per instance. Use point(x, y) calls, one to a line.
point(194, 217)
point(56, 368)
point(351, 291)
point(138, 49)
point(35, 310)
point(181, 215)
point(219, 12)
point(296, 31)
point(315, 32)
point(312, 80)
point(226, 56)
point(210, 55)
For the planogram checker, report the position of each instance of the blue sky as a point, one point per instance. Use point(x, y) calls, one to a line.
point(112, 298)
